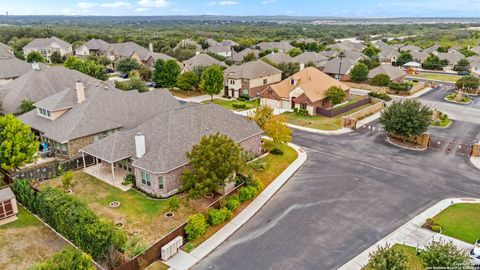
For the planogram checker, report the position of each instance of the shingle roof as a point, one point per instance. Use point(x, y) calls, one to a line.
point(36, 85)
point(219, 49)
point(388, 53)
point(306, 57)
point(188, 42)
point(126, 49)
point(97, 44)
point(332, 66)
point(391, 71)
point(355, 55)
point(201, 60)
point(13, 68)
point(6, 194)
point(347, 46)
point(419, 56)
point(238, 57)
point(329, 54)
point(281, 45)
point(251, 70)
point(279, 57)
point(312, 81)
point(40, 43)
point(105, 108)
point(410, 48)
point(452, 58)
point(432, 48)
point(170, 135)
point(5, 50)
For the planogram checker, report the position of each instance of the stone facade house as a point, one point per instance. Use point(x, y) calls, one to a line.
point(92, 47)
point(155, 150)
point(304, 90)
point(47, 46)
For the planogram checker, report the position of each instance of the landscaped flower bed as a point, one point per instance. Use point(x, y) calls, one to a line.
point(452, 97)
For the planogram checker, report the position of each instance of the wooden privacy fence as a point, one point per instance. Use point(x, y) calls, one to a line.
point(336, 111)
point(153, 253)
point(350, 121)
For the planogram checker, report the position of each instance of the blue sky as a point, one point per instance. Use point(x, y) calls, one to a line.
point(355, 8)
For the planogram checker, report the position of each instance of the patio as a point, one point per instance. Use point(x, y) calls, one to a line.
point(112, 175)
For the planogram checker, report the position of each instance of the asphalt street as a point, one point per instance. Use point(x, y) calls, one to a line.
point(353, 190)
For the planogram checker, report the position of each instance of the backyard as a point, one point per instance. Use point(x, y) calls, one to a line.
point(319, 121)
point(438, 77)
point(185, 94)
point(228, 104)
point(461, 221)
point(413, 262)
point(26, 241)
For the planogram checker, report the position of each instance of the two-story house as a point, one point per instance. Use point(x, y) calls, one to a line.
point(47, 46)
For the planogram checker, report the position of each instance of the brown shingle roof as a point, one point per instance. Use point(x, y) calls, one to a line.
point(251, 70)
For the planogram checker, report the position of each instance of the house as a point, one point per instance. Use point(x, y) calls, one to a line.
point(305, 90)
point(347, 45)
point(5, 50)
point(381, 45)
point(317, 59)
point(238, 57)
point(144, 56)
point(281, 46)
point(419, 56)
point(155, 150)
point(8, 206)
point(475, 67)
point(229, 43)
point(388, 55)
point(329, 54)
point(452, 58)
point(410, 48)
point(12, 68)
point(47, 46)
point(39, 82)
point(475, 49)
point(305, 40)
point(278, 58)
point(432, 49)
point(225, 51)
point(83, 113)
point(93, 47)
point(187, 43)
point(339, 68)
point(201, 60)
point(250, 78)
point(211, 42)
point(455, 49)
point(355, 55)
point(395, 73)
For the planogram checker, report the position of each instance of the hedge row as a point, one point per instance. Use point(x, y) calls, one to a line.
point(71, 218)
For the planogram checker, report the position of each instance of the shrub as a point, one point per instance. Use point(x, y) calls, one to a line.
point(239, 105)
point(276, 151)
point(218, 216)
point(387, 258)
point(295, 110)
point(437, 228)
point(196, 227)
point(67, 179)
point(232, 203)
point(258, 165)
point(246, 193)
point(135, 246)
point(173, 203)
point(443, 255)
point(380, 95)
point(381, 80)
point(403, 86)
point(300, 111)
point(68, 258)
point(129, 179)
point(25, 194)
point(245, 97)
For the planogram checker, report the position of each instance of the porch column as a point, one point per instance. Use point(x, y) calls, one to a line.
point(83, 158)
point(113, 173)
point(98, 169)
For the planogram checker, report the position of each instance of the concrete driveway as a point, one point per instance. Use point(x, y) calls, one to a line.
point(353, 190)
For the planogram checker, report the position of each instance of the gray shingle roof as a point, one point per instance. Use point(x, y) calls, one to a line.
point(251, 70)
point(388, 53)
point(126, 49)
point(281, 45)
point(238, 57)
point(219, 49)
point(201, 60)
point(332, 66)
point(452, 58)
point(391, 71)
point(279, 57)
point(410, 48)
point(306, 57)
point(419, 56)
point(105, 108)
point(13, 67)
point(6, 194)
point(36, 85)
point(97, 44)
point(432, 48)
point(5, 50)
point(169, 136)
point(41, 43)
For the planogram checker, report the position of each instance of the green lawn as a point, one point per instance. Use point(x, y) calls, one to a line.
point(413, 262)
point(319, 121)
point(461, 221)
point(25, 219)
point(228, 104)
point(439, 77)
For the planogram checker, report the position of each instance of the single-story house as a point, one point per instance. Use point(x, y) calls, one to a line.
point(238, 57)
point(92, 47)
point(225, 51)
point(388, 55)
point(39, 82)
point(452, 58)
point(281, 46)
point(432, 49)
point(47, 46)
point(419, 56)
point(410, 48)
point(278, 58)
point(201, 60)
point(184, 43)
point(355, 55)
point(381, 45)
point(305, 90)
point(339, 68)
point(455, 49)
point(155, 150)
point(395, 73)
point(8, 206)
point(250, 78)
point(311, 57)
point(83, 113)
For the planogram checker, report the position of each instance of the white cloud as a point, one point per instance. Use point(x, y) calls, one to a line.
point(141, 9)
point(265, 2)
point(86, 5)
point(153, 3)
point(116, 5)
point(228, 3)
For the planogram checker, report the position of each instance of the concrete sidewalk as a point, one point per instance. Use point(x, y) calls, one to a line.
point(184, 261)
point(412, 234)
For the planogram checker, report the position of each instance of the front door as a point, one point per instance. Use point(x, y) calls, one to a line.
point(293, 102)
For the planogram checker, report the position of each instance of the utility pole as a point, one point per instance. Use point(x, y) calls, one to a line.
point(341, 55)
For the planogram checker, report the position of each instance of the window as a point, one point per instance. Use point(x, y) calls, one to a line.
point(303, 106)
point(44, 112)
point(146, 179)
point(232, 82)
point(265, 81)
point(160, 182)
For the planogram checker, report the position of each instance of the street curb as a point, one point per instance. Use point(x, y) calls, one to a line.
point(318, 131)
point(417, 221)
point(237, 222)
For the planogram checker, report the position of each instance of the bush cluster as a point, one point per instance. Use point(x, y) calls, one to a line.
point(258, 165)
point(239, 105)
point(232, 202)
point(380, 95)
point(72, 218)
point(403, 86)
point(276, 151)
point(243, 98)
point(218, 216)
point(380, 80)
point(248, 192)
point(196, 227)
point(129, 179)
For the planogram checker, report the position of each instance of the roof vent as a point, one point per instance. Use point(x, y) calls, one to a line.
point(105, 87)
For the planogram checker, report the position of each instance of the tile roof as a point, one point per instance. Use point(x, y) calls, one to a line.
point(251, 70)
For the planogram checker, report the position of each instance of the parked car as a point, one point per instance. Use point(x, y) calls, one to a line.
point(463, 73)
point(123, 76)
point(109, 70)
point(151, 84)
point(475, 253)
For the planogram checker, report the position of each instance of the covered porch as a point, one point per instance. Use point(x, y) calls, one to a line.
point(112, 173)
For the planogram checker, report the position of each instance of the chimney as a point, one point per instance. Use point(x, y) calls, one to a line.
point(140, 145)
point(302, 66)
point(150, 47)
point(80, 88)
point(35, 66)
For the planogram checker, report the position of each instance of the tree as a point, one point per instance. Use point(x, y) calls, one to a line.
point(212, 81)
point(295, 52)
point(187, 81)
point(387, 258)
point(468, 83)
point(462, 65)
point(370, 51)
point(56, 58)
point(434, 63)
point(68, 258)
point(67, 178)
point(288, 69)
point(404, 58)
point(35, 57)
point(359, 73)
point(444, 255)
point(86, 66)
point(276, 129)
point(335, 95)
point(26, 106)
point(380, 80)
point(18, 145)
point(249, 57)
point(145, 73)
point(133, 84)
point(165, 73)
point(406, 118)
point(262, 115)
point(205, 175)
point(126, 65)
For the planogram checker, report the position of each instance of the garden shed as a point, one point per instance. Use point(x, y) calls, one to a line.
point(8, 206)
